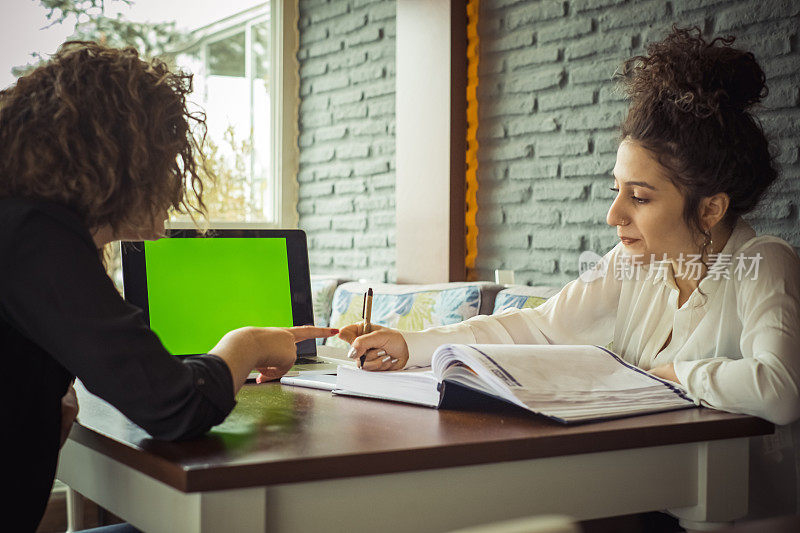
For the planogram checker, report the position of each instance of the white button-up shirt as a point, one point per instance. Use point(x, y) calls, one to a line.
point(736, 347)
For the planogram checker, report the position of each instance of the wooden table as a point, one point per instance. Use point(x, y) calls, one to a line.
point(293, 459)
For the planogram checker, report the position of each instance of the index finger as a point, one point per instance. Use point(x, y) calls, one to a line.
point(302, 333)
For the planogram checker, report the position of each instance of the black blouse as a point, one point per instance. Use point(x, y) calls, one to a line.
point(61, 317)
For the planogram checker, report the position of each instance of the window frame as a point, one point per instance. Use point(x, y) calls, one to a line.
point(284, 104)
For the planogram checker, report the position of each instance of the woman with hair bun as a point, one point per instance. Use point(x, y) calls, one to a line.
point(96, 146)
point(699, 299)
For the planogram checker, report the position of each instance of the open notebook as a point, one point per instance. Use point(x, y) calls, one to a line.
point(568, 383)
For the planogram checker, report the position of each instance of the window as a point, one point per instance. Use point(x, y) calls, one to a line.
point(238, 52)
point(243, 56)
point(232, 61)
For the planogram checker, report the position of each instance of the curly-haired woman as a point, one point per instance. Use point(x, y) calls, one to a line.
point(719, 311)
point(96, 146)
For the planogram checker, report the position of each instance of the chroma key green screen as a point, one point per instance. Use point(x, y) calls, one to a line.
point(198, 289)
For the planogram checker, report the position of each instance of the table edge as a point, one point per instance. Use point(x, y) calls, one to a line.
point(205, 478)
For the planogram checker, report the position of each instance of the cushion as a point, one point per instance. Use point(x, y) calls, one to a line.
point(407, 307)
point(322, 289)
point(522, 296)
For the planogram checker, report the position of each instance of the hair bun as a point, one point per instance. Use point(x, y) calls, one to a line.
point(699, 77)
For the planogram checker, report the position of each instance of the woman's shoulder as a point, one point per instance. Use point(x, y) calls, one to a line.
point(27, 224)
point(769, 249)
point(17, 216)
point(26, 214)
point(764, 263)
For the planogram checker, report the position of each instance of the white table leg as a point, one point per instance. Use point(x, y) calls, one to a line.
point(75, 507)
point(722, 485)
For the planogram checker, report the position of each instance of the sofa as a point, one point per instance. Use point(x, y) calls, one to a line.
point(338, 303)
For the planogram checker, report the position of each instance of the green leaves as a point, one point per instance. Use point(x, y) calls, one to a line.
point(92, 24)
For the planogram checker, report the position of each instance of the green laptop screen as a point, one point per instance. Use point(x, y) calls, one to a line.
point(198, 289)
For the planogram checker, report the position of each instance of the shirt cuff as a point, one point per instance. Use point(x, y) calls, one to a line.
point(422, 344)
point(683, 371)
point(213, 379)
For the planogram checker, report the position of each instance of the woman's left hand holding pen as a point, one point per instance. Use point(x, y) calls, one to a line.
point(383, 348)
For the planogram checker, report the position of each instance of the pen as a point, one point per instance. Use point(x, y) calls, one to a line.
point(363, 305)
point(368, 312)
point(367, 315)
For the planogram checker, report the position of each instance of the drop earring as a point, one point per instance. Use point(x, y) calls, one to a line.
point(708, 245)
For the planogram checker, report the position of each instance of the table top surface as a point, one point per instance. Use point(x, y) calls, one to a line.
point(280, 434)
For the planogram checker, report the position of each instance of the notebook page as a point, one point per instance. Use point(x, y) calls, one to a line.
point(413, 386)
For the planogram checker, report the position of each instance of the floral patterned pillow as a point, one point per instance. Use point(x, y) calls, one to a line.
point(522, 297)
point(322, 289)
point(405, 307)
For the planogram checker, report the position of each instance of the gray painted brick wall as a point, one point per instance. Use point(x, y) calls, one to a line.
point(548, 125)
point(549, 115)
point(347, 166)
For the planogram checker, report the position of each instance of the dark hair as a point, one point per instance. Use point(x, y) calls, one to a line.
point(103, 132)
point(690, 102)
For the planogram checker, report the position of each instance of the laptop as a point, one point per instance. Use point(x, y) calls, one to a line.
point(194, 288)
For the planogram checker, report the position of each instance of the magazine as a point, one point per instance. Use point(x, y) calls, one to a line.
point(568, 383)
